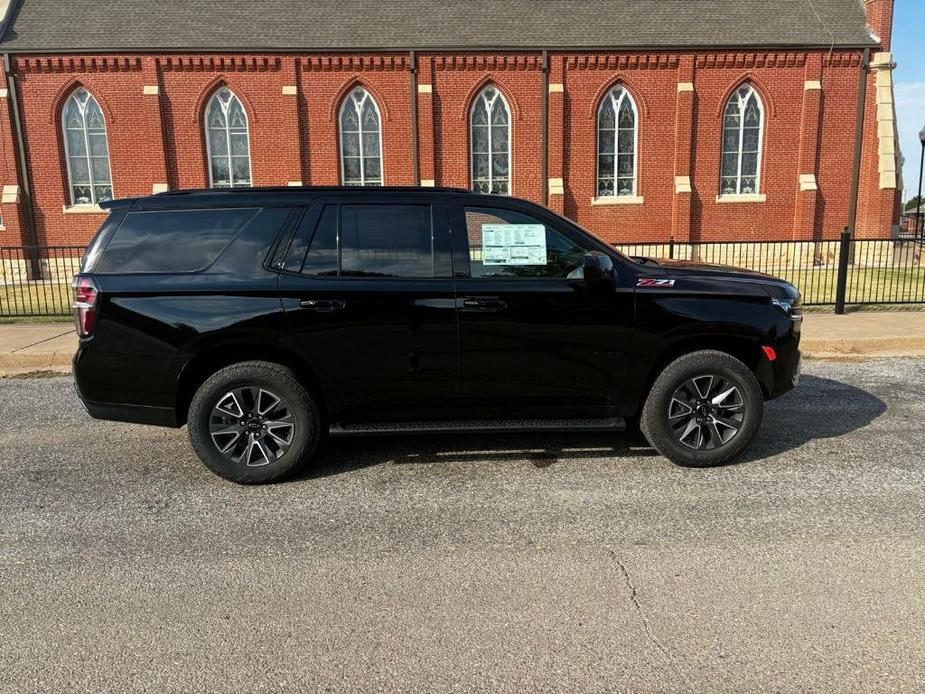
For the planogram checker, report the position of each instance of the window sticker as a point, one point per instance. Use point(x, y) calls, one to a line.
point(513, 244)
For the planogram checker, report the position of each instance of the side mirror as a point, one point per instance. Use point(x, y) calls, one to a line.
point(597, 267)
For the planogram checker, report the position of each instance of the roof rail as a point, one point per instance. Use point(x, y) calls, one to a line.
point(292, 189)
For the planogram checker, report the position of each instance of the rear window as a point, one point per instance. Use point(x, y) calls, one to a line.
point(172, 240)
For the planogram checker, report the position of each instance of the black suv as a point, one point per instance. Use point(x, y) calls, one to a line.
point(266, 318)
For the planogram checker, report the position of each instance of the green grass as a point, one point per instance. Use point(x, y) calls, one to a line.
point(44, 299)
point(883, 285)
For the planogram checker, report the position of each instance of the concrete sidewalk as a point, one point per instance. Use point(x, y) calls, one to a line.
point(28, 347)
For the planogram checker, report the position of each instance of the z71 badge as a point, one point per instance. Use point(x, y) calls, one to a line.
point(654, 282)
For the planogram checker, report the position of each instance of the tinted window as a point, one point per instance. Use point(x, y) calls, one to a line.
point(172, 241)
point(322, 251)
point(386, 241)
point(505, 243)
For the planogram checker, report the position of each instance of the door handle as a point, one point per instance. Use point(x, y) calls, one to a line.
point(487, 304)
point(323, 305)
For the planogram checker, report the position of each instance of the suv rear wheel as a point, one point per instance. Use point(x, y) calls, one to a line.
point(253, 422)
point(704, 409)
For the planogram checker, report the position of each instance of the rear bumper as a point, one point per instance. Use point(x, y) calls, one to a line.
point(136, 414)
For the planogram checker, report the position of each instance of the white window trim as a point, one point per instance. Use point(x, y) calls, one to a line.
point(349, 101)
point(67, 152)
point(739, 196)
point(618, 200)
point(84, 208)
point(634, 196)
point(510, 141)
point(742, 198)
point(247, 125)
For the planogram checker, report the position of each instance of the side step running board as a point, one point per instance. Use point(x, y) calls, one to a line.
point(478, 425)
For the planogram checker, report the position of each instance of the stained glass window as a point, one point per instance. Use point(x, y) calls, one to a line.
point(743, 121)
point(86, 149)
point(616, 144)
point(490, 143)
point(228, 141)
point(360, 140)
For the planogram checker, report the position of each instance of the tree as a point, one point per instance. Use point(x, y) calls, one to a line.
point(914, 202)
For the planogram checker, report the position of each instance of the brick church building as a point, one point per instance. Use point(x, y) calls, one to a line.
point(640, 119)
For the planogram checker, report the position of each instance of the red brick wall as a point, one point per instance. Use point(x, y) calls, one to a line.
point(158, 138)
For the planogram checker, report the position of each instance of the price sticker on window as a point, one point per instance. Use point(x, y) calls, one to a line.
point(513, 244)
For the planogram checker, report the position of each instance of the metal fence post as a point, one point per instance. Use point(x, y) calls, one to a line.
point(671, 247)
point(844, 252)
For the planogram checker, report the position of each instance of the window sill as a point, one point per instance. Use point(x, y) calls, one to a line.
point(83, 209)
point(750, 198)
point(618, 200)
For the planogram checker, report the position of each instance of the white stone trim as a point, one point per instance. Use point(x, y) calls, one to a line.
point(150, 90)
point(882, 64)
point(425, 88)
point(290, 90)
point(682, 184)
point(556, 88)
point(428, 183)
point(744, 198)
point(618, 200)
point(10, 194)
point(555, 186)
point(4, 93)
point(808, 182)
point(881, 61)
point(83, 209)
point(294, 184)
point(811, 85)
point(159, 188)
point(685, 87)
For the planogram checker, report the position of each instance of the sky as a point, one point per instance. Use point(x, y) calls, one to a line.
point(909, 85)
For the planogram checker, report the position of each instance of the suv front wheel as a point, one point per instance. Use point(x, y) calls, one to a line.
point(253, 422)
point(704, 409)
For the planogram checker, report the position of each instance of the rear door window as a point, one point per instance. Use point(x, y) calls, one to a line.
point(322, 250)
point(386, 241)
point(172, 240)
point(372, 240)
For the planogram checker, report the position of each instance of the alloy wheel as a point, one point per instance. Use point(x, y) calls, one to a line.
point(252, 426)
point(706, 412)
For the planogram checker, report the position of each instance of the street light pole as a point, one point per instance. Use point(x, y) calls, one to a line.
point(918, 206)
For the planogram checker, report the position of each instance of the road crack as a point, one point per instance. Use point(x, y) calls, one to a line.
point(646, 625)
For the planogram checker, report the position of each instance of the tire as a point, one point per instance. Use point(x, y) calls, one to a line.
point(724, 421)
point(263, 440)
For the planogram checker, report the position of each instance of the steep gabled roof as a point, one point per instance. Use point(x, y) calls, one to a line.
point(241, 25)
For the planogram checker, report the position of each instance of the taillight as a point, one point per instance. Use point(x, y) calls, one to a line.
point(85, 294)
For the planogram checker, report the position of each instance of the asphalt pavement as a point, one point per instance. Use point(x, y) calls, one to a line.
point(578, 563)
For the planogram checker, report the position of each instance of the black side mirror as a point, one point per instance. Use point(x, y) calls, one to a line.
point(597, 267)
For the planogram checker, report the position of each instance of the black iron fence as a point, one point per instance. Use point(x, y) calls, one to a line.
point(836, 273)
point(36, 281)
